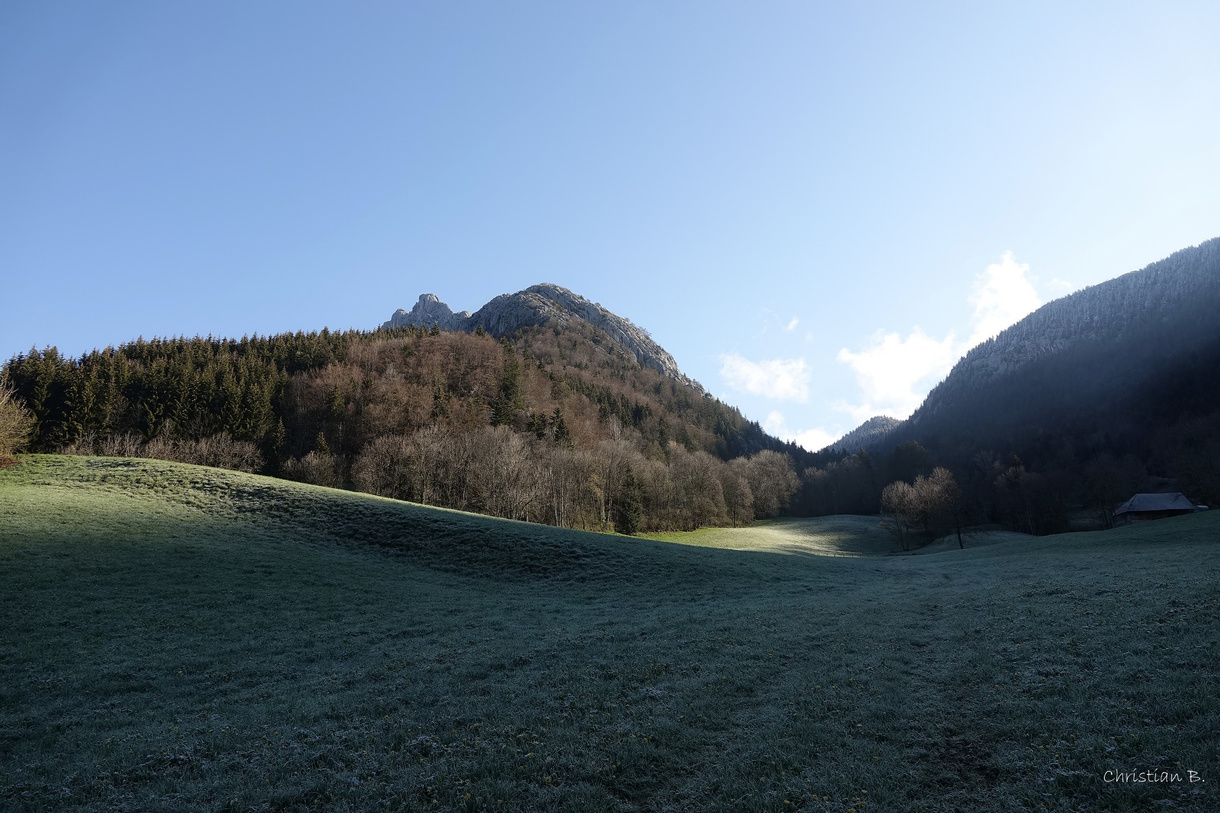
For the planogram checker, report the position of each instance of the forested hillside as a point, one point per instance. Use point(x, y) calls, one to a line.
point(870, 433)
point(1105, 358)
point(1092, 397)
point(557, 426)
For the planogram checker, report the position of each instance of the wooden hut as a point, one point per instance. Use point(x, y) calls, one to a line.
point(1154, 506)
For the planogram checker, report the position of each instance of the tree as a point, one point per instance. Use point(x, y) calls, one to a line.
point(1103, 479)
point(628, 508)
point(738, 498)
point(509, 402)
point(900, 516)
point(698, 495)
point(924, 509)
point(942, 499)
point(570, 488)
point(1013, 497)
point(501, 472)
point(772, 481)
point(614, 458)
point(16, 422)
point(559, 429)
point(906, 462)
point(384, 468)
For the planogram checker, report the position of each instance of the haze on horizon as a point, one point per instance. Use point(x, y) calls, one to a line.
point(816, 210)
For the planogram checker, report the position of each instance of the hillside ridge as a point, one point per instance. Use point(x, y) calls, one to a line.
point(870, 432)
point(1100, 393)
point(1111, 311)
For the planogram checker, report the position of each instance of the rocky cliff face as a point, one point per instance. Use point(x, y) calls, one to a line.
point(540, 305)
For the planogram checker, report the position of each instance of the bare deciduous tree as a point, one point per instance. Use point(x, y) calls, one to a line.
point(943, 498)
point(738, 498)
point(700, 498)
point(772, 481)
point(16, 422)
point(502, 475)
point(574, 497)
point(920, 511)
point(384, 468)
point(900, 517)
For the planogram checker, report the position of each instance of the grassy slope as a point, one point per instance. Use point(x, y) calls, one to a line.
point(174, 637)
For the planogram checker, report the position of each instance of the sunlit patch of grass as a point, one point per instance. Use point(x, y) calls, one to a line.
point(818, 536)
point(178, 638)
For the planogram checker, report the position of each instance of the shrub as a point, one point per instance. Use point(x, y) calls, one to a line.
point(317, 468)
point(219, 451)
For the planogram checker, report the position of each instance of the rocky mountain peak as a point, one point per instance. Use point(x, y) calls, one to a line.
point(537, 305)
point(429, 311)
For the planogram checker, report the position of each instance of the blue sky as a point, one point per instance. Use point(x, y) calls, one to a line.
point(815, 207)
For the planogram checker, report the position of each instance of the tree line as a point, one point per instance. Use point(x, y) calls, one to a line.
point(554, 427)
point(548, 426)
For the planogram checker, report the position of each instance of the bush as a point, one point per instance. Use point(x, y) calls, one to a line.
point(219, 451)
point(317, 468)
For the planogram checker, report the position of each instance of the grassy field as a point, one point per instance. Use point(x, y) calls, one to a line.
point(823, 536)
point(179, 638)
point(852, 536)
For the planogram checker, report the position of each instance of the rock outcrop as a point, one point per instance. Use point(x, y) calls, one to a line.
point(429, 311)
point(540, 305)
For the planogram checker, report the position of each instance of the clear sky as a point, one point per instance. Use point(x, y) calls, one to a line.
point(816, 207)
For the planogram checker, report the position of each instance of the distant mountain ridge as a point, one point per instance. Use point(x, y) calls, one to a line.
point(866, 434)
point(540, 305)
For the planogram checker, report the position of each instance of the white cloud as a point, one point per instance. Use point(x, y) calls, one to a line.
point(895, 373)
point(1059, 287)
point(1002, 296)
point(812, 440)
point(792, 325)
point(781, 379)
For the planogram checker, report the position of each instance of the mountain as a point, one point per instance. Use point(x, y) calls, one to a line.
point(869, 433)
point(1127, 325)
point(539, 305)
point(1125, 369)
point(541, 406)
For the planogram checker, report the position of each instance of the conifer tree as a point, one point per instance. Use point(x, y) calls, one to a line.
point(628, 510)
point(559, 429)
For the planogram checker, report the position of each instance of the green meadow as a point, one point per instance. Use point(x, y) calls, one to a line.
point(182, 638)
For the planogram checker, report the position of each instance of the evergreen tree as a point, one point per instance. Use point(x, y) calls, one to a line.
point(628, 510)
point(508, 401)
point(559, 429)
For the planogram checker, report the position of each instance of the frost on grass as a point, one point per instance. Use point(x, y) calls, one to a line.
point(179, 638)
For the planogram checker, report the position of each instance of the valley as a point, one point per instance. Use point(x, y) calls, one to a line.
point(609, 408)
point(188, 638)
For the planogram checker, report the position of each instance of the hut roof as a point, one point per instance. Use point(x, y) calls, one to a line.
point(1156, 502)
